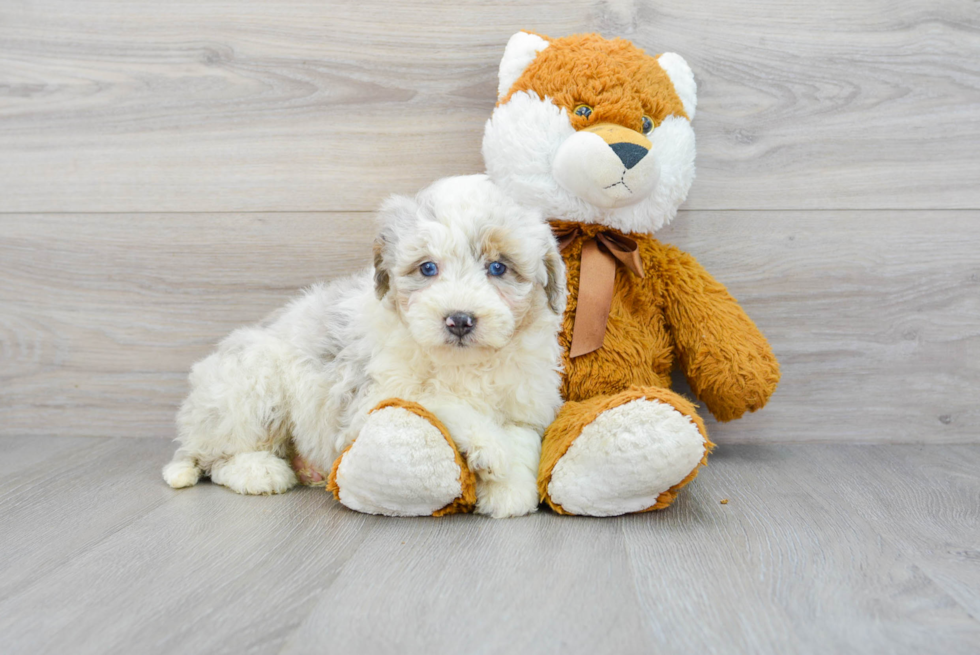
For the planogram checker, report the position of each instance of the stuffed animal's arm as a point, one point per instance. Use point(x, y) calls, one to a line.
point(726, 359)
point(479, 438)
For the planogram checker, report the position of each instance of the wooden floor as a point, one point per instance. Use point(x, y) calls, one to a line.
point(820, 549)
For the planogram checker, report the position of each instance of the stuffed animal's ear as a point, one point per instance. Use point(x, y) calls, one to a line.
point(521, 50)
point(395, 214)
point(682, 77)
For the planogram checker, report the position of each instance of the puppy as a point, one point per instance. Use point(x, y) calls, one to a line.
point(460, 314)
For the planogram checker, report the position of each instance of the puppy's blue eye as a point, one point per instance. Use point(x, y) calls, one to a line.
point(647, 125)
point(496, 269)
point(428, 269)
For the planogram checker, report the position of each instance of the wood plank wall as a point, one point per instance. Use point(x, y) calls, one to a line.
point(169, 171)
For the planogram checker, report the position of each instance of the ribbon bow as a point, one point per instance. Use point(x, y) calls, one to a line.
point(597, 280)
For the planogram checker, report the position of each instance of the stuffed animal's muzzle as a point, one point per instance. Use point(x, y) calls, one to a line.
point(607, 165)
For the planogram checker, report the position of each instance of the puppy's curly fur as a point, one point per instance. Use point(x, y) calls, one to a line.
point(308, 376)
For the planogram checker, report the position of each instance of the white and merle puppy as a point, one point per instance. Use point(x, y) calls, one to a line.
point(460, 315)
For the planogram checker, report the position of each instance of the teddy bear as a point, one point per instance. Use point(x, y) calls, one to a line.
point(597, 135)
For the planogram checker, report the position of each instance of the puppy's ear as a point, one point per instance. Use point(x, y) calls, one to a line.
point(393, 217)
point(555, 286)
point(382, 277)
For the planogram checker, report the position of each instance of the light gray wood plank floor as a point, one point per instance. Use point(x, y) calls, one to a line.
point(821, 548)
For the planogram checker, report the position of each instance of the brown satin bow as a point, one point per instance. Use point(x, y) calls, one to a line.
point(597, 279)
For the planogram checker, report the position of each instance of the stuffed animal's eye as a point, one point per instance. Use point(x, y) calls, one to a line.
point(583, 110)
point(428, 269)
point(496, 269)
point(647, 125)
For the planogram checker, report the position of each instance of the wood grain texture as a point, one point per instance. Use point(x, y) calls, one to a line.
point(874, 316)
point(875, 319)
point(18, 453)
point(910, 486)
point(297, 105)
point(464, 586)
point(777, 569)
point(821, 548)
point(102, 315)
point(199, 569)
point(55, 509)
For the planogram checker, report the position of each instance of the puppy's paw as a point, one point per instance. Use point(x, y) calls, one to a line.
point(181, 473)
point(489, 461)
point(257, 473)
point(502, 499)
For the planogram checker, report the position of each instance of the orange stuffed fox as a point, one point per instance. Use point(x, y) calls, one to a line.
point(597, 134)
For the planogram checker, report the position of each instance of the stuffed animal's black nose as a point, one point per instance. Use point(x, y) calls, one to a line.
point(460, 323)
point(629, 153)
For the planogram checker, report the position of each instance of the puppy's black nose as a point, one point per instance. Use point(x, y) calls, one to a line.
point(460, 323)
point(629, 153)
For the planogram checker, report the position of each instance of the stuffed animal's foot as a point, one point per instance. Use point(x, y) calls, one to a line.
point(256, 473)
point(629, 453)
point(403, 463)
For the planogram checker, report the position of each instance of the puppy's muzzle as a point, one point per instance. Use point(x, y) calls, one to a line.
point(460, 324)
